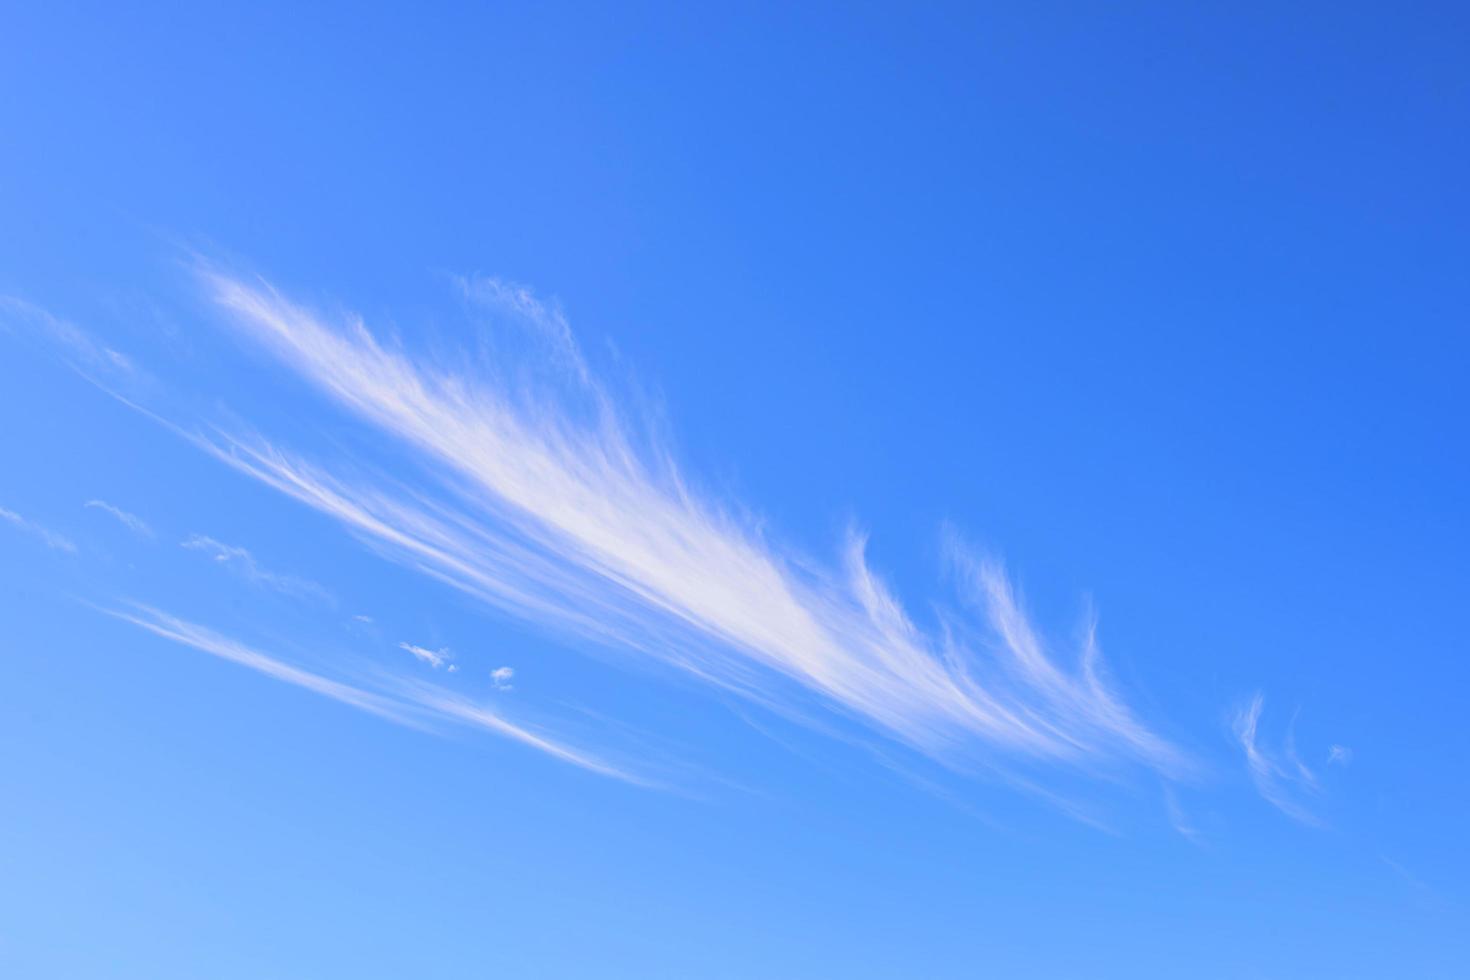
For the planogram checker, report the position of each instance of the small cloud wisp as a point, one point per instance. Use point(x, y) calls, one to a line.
point(434, 658)
point(244, 563)
point(54, 541)
point(132, 522)
point(1279, 780)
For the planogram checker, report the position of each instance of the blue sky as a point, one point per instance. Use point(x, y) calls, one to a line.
point(652, 491)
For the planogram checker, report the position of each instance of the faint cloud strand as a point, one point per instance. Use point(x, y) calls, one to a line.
point(244, 563)
point(51, 538)
point(1180, 821)
point(547, 324)
point(132, 522)
point(75, 344)
point(1277, 782)
point(411, 705)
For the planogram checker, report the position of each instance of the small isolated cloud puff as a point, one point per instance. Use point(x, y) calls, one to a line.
point(544, 503)
point(1339, 755)
point(52, 540)
point(434, 658)
point(132, 522)
point(243, 562)
point(501, 677)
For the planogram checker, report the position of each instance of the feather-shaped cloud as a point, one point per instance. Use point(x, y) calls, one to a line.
point(543, 504)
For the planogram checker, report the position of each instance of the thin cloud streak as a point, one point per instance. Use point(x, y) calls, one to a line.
point(548, 508)
point(243, 562)
point(409, 704)
point(53, 540)
point(79, 348)
point(132, 522)
point(1179, 820)
point(1274, 780)
point(207, 641)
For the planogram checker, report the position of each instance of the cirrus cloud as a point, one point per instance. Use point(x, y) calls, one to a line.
point(543, 503)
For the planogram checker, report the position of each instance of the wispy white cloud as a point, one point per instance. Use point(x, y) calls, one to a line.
point(78, 347)
point(132, 522)
point(434, 658)
point(546, 505)
point(546, 325)
point(501, 677)
point(208, 641)
point(244, 563)
point(1404, 873)
point(51, 538)
point(1339, 755)
point(1178, 819)
point(406, 704)
point(1279, 781)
